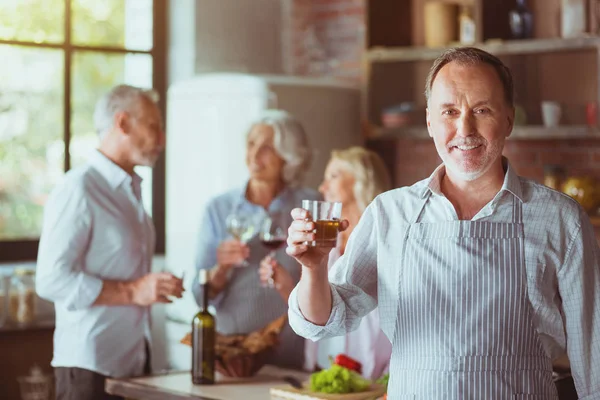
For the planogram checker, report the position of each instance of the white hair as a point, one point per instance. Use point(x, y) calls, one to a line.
point(291, 143)
point(121, 98)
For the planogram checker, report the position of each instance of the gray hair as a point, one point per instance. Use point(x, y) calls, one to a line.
point(121, 98)
point(472, 56)
point(291, 143)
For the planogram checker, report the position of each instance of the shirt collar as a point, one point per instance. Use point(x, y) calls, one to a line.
point(281, 197)
point(511, 183)
point(113, 174)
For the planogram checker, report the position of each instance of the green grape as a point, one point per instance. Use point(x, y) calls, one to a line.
point(338, 380)
point(384, 380)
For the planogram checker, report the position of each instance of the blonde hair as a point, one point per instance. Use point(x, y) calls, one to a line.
point(370, 174)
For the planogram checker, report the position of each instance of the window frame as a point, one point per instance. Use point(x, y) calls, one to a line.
point(26, 250)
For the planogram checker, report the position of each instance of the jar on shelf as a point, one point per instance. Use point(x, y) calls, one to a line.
point(36, 386)
point(22, 296)
point(573, 18)
point(440, 23)
point(554, 176)
point(4, 298)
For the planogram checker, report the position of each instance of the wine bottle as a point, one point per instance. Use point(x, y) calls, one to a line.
point(203, 339)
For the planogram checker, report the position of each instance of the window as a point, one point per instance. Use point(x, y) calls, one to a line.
point(57, 58)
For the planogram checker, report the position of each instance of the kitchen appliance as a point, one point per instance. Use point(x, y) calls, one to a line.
point(208, 118)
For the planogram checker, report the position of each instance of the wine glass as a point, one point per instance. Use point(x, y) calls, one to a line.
point(242, 228)
point(273, 234)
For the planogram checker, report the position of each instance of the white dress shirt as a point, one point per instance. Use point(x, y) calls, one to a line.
point(95, 228)
point(561, 256)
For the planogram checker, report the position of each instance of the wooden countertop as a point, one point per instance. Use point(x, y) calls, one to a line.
point(178, 386)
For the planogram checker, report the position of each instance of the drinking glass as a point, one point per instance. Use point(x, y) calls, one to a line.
point(242, 228)
point(273, 235)
point(326, 216)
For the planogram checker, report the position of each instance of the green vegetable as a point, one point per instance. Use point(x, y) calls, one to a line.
point(338, 379)
point(384, 380)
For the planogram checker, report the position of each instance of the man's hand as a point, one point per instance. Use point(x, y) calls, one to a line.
point(301, 231)
point(156, 288)
point(231, 253)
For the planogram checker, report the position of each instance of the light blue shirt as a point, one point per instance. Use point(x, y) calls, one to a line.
point(244, 305)
point(95, 229)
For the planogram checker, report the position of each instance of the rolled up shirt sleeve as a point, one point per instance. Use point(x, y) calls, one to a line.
point(353, 283)
point(60, 276)
point(579, 286)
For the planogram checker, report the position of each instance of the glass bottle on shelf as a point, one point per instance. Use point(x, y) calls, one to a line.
point(466, 26)
point(22, 296)
point(521, 21)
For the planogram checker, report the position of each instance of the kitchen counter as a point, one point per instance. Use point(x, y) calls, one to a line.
point(178, 386)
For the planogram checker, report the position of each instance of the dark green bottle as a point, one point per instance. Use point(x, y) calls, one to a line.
point(203, 339)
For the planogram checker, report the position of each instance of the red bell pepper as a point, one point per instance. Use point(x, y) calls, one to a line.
point(347, 362)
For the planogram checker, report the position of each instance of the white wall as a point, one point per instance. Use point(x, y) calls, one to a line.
point(238, 35)
point(228, 36)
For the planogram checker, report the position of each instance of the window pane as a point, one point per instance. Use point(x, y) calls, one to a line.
point(119, 23)
point(32, 20)
point(31, 136)
point(94, 74)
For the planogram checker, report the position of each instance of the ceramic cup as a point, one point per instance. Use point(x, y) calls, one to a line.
point(551, 113)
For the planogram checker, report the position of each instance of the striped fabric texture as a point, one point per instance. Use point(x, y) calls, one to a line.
point(474, 309)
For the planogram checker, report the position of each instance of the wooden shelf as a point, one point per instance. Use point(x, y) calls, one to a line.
point(560, 132)
point(530, 46)
point(595, 221)
point(519, 133)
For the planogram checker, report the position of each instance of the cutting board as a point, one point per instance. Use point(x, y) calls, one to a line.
point(288, 392)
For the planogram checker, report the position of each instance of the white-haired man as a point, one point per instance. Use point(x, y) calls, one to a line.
point(96, 251)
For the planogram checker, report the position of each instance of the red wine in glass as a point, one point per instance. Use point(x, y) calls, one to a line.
point(273, 244)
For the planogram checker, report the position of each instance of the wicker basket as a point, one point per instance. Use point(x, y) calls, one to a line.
point(245, 355)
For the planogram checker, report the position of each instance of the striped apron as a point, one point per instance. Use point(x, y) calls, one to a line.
point(464, 327)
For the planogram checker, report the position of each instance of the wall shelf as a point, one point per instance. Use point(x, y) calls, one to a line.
point(519, 133)
point(531, 46)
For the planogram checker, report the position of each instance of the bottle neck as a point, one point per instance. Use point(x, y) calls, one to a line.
point(204, 299)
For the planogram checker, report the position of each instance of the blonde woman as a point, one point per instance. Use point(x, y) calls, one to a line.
point(354, 177)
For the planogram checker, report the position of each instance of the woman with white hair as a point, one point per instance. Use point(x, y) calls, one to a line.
point(277, 156)
point(354, 177)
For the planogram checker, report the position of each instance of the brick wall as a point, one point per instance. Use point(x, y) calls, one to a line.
point(416, 159)
point(327, 38)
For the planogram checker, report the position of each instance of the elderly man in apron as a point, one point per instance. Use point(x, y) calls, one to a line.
point(482, 277)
